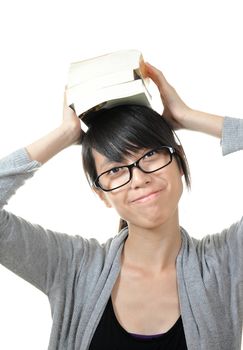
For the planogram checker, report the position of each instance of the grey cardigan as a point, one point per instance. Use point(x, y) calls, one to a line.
point(78, 274)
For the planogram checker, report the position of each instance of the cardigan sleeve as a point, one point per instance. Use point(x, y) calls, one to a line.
point(222, 253)
point(232, 136)
point(230, 241)
point(40, 256)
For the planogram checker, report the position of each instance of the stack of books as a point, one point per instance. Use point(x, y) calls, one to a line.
point(107, 81)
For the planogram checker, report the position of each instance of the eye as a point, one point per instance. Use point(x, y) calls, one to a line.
point(150, 154)
point(114, 171)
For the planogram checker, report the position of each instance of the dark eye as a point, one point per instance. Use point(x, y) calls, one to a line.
point(114, 171)
point(149, 154)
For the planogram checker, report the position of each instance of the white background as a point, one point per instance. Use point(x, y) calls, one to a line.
point(198, 46)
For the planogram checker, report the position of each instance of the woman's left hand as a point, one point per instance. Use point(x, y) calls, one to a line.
point(175, 110)
point(178, 113)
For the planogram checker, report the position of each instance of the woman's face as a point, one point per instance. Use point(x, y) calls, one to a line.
point(148, 200)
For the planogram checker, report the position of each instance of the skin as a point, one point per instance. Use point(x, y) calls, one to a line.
point(145, 296)
point(149, 219)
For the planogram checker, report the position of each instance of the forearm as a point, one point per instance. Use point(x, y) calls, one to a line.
point(68, 133)
point(48, 146)
point(203, 122)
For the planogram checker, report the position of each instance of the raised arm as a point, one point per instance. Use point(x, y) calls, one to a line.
point(38, 255)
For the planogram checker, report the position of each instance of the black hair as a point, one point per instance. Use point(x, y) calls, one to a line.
point(124, 129)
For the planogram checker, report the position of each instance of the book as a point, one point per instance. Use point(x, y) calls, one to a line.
point(132, 92)
point(106, 81)
point(112, 68)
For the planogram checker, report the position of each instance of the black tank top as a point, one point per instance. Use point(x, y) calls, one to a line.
point(110, 335)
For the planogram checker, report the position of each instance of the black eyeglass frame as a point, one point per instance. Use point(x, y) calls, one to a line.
point(133, 165)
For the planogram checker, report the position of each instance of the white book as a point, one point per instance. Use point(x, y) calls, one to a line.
point(132, 92)
point(115, 67)
point(110, 79)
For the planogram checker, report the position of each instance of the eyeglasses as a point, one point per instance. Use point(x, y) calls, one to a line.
point(150, 162)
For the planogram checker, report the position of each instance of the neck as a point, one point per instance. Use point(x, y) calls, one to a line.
point(154, 250)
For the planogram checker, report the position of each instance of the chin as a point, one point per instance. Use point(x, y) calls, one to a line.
point(150, 223)
point(156, 219)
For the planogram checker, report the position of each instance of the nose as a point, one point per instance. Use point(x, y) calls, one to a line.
point(139, 178)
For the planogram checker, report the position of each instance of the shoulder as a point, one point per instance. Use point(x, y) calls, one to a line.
point(223, 249)
point(93, 251)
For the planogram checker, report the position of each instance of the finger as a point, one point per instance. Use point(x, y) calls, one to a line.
point(157, 76)
point(154, 72)
point(65, 99)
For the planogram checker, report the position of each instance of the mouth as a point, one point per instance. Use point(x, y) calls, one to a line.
point(146, 198)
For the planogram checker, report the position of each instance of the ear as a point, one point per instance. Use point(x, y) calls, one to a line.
point(102, 195)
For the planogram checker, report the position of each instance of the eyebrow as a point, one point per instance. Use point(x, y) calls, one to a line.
point(108, 162)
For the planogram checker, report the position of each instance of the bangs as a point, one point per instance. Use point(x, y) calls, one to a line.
point(117, 133)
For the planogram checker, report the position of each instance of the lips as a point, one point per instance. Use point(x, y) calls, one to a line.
point(146, 197)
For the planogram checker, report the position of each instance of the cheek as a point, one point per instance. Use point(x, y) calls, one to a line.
point(156, 212)
point(175, 191)
point(117, 200)
point(114, 199)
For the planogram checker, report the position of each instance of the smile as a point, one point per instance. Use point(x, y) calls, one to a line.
point(147, 198)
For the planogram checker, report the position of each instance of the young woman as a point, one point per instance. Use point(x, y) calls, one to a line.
point(152, 286)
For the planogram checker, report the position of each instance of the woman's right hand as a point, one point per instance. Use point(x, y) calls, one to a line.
point(71, 122)
point(67, 134)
